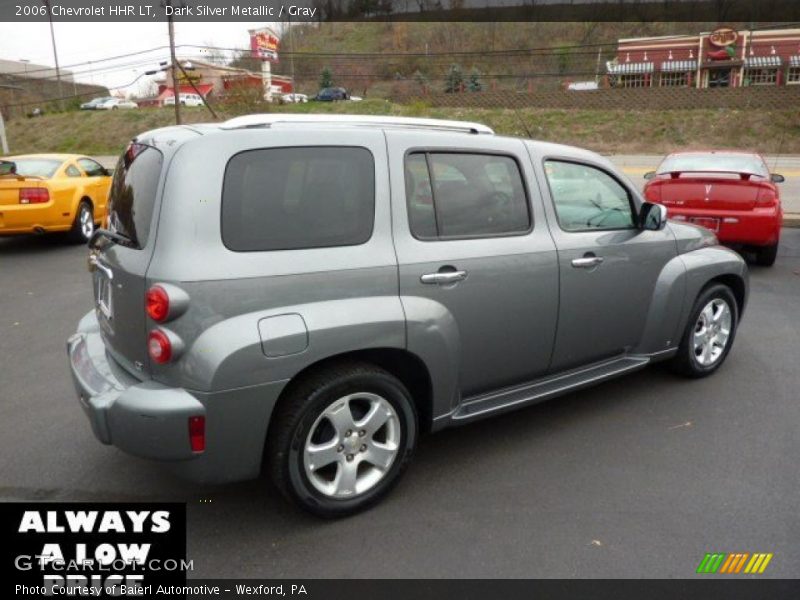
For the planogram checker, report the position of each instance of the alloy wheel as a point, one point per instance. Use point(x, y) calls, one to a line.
point(352, 445)
point(86, 222)
point(712, 332)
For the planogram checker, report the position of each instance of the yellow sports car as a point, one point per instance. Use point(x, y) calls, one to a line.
point(42, 193)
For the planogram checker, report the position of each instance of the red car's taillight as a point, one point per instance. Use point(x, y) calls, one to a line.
point(652, 192)
point(197, 433)
point(766, 196)
point(156, 301)
point(33, 195)
point(159, 347)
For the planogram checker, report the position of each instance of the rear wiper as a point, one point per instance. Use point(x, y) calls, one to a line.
point(113, 236)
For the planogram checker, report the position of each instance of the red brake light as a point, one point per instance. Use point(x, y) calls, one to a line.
point(33, 195)
point(157, 303)
point(159, 347)
point(197, 433)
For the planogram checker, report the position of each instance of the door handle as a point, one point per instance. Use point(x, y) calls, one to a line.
point(444, 277)
point(587, 262)
point(94, 263)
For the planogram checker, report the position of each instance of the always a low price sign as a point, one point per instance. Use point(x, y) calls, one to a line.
point(93, 549)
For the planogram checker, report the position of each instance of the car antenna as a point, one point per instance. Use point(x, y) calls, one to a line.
point(524, 125)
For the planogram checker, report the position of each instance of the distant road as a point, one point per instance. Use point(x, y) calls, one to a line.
point(636, 165)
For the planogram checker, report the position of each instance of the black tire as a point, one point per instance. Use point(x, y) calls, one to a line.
point(766, 255)
point(686, 362)
point(300, 410)
point(77, 232)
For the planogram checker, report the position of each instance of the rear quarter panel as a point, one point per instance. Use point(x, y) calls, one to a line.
point(347, 296)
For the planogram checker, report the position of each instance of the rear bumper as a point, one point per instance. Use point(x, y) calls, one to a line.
point(33, 218)
point(757, 227)
point(142, 418)
point(151, 420)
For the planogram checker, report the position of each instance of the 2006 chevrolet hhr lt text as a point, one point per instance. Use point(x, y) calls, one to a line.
point(315, 292)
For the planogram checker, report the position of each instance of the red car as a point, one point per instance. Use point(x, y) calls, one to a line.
point(731, 193)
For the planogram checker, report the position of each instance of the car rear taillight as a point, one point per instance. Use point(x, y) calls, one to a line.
point(156, 301)
point(197, 433)
point(33, 195)
point(652, 192)
point(766, 196)
point(159, 347)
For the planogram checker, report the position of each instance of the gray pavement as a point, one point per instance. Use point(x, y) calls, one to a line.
point(638, 477)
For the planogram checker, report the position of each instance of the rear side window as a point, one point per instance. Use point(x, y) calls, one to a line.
point(465, 195)
point(291, 198)
point(92, 168)
point(133, 193)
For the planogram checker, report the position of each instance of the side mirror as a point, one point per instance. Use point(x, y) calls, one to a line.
point(652, 217)
point(777, 178)
point(649, 174)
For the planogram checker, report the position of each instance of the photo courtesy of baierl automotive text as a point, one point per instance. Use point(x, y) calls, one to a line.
point(400, 299)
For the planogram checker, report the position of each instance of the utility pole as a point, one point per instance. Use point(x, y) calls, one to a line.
point(174, 65)
point(55, 53)
point(291, 57)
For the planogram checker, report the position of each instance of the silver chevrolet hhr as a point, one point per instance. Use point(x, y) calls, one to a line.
point(309, 294)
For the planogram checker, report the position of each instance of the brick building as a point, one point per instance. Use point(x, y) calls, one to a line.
point(724, 57)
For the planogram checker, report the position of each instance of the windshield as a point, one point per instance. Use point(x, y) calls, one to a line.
point(712, 163)
point(36, 167)
point(133, 193)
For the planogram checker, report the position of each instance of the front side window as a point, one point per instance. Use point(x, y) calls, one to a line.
point(587, 198)
point(456, 195)
point(291, 198)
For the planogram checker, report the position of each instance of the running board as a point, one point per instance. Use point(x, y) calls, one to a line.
point(530, 393)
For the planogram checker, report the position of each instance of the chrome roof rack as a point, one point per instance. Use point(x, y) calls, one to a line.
point(277, 119)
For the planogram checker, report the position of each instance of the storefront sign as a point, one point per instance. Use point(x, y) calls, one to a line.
point(264, 44)
point(723, 36)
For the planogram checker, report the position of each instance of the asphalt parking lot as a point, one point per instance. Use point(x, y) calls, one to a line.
point(639, 477)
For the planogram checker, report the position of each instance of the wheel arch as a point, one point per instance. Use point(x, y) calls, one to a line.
point(406, 366)
point(737, 285)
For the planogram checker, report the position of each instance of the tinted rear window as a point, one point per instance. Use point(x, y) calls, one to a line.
point(133, 193)
point(36, 167)
point(710, 163)
point(290, 198)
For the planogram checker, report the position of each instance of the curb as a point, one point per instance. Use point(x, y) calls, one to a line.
point(791, 219)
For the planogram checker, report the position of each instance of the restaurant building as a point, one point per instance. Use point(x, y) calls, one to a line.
point(724, 57)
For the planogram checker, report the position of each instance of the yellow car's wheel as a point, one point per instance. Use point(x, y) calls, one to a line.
point(83, 225)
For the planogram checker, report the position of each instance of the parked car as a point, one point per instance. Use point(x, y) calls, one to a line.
point(294, 99)
point(349, 288)
point(94, 102)
point(186, 100)
point(332, 94)
point(115, 103)
point(731, 193)
point(45, 193)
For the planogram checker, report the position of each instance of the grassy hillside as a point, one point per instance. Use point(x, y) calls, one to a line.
point(101, 133)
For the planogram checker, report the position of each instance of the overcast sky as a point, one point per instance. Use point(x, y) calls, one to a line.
point(81, 42)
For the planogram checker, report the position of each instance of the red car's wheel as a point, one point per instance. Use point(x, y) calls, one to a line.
point(766, 256)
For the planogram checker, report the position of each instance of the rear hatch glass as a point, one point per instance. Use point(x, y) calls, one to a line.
point(120, 279)
point(133, 193)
